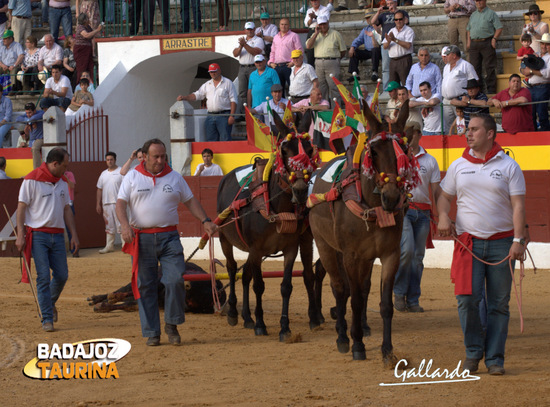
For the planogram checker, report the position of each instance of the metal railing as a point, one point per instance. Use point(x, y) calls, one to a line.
point(88, 137)
point(156, 17)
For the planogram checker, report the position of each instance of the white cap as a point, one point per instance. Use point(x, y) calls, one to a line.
point(259, 58)
point(249, 26)
point(322, 19)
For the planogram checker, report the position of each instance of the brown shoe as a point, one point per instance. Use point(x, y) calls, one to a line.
point(399, 303)
point(173, 335)
point(48, 326)
point(496, 370)
point(415, 308)
point(153, 341)
point(471, 364)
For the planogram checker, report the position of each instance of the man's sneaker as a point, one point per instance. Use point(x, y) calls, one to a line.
point(496, 370)
point(341, 8)
point(173, 335)
point(399, 303)
point(350, 79)
point(374, 77)
point(48, 326)
point(471, 364)
point(54, 314)
point(415, 308)
point(153, 341)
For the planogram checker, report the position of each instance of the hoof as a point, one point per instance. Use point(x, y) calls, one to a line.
point(343, 347)
point(260, 331)
point(314, 325)
point(284, 336)
point(249, 324)
point(359, 355)
point(390, 361)
point(232, 320)
point(333, 314)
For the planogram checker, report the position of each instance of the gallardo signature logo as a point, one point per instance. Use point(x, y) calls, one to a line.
point(91, 359)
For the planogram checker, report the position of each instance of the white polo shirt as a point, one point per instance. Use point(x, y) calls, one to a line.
point(432, 122)
point(248, 59)
point(154, 202)
point(454, 81)
point(64, 82)
point(483, 194)
point(406, 34)
point(429, 174)
point(109, 183)
point(45, 203)
point(301, 81)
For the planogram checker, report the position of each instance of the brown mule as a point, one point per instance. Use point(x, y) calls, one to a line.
point(349, 235)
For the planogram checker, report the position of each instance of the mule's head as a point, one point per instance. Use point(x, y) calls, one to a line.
point(296, 159)
point(384, 160)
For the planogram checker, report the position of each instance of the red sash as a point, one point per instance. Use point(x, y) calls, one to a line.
point(27, 253)
point(133, 250)
point(461, 267)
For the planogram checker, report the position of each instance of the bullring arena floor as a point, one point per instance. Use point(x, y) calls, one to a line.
point(219, 365)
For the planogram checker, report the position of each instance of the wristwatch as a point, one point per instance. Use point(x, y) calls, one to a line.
point(206, 220)
point(521, 240)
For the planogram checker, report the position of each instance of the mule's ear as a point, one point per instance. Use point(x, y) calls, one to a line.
point(282, 129)
point(402, 117)
point(375, 125)
point(305, 121)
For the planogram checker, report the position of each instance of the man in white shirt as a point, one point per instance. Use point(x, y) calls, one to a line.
point(490, 220)
point(208, 168)
point(248, 48)
point(147, 208)
point(42, 213)
point(50, 54)
point(416, 229)
point(108, 185)
point(399, 43)
point(221, 101)
point(431, 111)
point(302, 78)
point(277, 103)
point(310, 21)
point(456, 74)
point(267, 31)
point(58, 90)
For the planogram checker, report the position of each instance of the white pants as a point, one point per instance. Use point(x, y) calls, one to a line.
point(112, 225)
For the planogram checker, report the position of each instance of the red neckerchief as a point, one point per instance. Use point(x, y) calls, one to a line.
point(141, 169)
point(490, 154)
point(43, 174)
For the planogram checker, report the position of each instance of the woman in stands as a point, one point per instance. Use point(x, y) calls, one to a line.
point(536, 27)
point(83, 47)
point(30, 66)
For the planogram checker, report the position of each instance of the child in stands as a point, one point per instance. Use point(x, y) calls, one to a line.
point(459, 125)
point(81, 97)
point(525, 47)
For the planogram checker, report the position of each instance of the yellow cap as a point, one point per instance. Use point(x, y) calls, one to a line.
point(296, 53)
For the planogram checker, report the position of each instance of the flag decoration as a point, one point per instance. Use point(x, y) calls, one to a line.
point(321, 130)
point(340, 132)
point(351, 104)
point(375, 104)
point(357, 89)
point(288, 119)
point(257, 133)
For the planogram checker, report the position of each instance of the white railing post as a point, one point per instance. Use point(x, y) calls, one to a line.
point(182, 133)
point(55, 132)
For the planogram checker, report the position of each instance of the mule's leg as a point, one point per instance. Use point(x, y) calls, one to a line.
point(357, 270)
point(231, 264)
point(320, 274)
point(366, 291)
point(306, 253)
point(247, 277)
point(290, 254)
point(390, 265)
point(255, 264)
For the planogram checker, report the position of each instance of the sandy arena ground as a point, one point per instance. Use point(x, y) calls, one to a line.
point(219, 365)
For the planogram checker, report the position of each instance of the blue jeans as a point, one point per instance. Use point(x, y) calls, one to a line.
point(538, 93)
point(217, 129)
point(46, 103)
point(45, 4)
point(196, 5)
point(48, 252)
point(431, 133)
point(165, 248)
point(497, 281)
point(385, 68)
point(61, 16)
point(4, 134)
point(416, 227)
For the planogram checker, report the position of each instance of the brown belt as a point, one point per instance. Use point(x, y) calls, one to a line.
point(482, 39)
point(23, 18)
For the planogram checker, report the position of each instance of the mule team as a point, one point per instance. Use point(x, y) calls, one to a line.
point(354, 220)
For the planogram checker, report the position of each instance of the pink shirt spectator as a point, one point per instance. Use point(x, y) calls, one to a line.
point(283, 46)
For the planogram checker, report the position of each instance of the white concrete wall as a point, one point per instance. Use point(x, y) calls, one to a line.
point(439, 258)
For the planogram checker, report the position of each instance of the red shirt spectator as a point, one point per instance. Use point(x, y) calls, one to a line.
point(515, 118)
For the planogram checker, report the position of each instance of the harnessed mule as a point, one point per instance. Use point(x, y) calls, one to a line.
point(360, 219)
point(270, 217)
